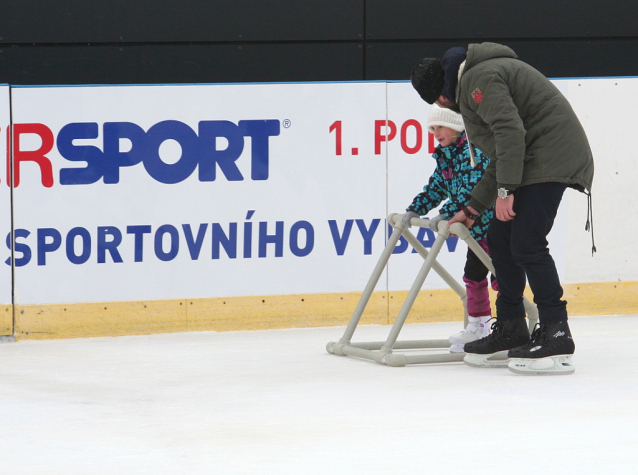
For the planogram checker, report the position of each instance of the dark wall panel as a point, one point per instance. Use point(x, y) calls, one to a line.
point(180, 63)
point(93, 21)
point(554, 58)
point(441, 19)
point(201, 41)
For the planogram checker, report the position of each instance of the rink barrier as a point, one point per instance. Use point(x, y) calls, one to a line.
point(49, 108)
point(220, 314)
point(79, 320)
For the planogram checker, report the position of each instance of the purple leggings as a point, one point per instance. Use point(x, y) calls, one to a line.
point(475, 278)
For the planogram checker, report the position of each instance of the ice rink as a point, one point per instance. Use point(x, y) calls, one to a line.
point(275, 402)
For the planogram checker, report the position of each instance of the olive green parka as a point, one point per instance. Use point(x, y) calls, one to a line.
point(522, 122)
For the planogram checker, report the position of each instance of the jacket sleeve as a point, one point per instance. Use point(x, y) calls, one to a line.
point(497, 109)
point(432, 195)
point(483, 193)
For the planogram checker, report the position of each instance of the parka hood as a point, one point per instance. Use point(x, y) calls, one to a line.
point(479, 52)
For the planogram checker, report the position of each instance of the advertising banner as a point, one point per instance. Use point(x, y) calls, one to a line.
point(164, 192)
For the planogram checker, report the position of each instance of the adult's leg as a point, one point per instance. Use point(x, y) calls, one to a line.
point(536, 207)
point(509, 274)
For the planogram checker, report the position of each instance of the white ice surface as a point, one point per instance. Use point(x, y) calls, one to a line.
point(275, 402)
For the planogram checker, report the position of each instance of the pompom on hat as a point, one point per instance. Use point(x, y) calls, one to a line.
point(428, 79)
point(445, 118)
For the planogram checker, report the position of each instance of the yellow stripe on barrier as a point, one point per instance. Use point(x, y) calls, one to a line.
point(99, 319)
point(277, 311)
point(6, 320)
point(602, 298)
point(282, 311)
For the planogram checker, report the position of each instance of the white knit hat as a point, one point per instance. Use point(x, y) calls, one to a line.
point(445, 118)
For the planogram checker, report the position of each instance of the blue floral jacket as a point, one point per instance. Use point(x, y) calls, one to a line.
point(454, 179)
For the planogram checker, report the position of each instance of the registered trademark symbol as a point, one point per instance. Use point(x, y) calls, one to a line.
point(287, 123)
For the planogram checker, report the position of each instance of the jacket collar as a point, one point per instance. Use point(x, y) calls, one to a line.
point(453, 149)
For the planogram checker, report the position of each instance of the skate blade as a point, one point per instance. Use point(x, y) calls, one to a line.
point(494, 360)
point(559, 364)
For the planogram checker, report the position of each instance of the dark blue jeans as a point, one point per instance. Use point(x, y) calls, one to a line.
point(519, 251)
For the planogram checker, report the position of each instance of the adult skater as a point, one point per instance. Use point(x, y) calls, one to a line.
point(537, 148)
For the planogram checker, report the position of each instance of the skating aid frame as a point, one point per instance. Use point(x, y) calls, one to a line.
point(383, 352)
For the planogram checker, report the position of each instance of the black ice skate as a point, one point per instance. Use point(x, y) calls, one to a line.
point(491, 351)
point(549, 351)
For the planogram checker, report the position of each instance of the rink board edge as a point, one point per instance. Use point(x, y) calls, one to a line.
point(79, 320)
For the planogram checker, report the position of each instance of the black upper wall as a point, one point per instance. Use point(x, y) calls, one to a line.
point(207, 41)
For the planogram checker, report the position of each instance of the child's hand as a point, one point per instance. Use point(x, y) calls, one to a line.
point(407, 217)
point(434, 223)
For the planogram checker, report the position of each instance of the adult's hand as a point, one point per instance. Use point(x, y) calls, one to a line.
point(460, 217)
point(505, 208)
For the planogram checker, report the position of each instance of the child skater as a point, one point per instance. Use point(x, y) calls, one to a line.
point(453, 180)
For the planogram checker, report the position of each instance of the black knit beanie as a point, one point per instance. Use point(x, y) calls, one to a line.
point(428, 79)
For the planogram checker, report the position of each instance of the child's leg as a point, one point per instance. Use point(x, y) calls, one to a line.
point(478, 302)
point(475, 278)
point(478, 298)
